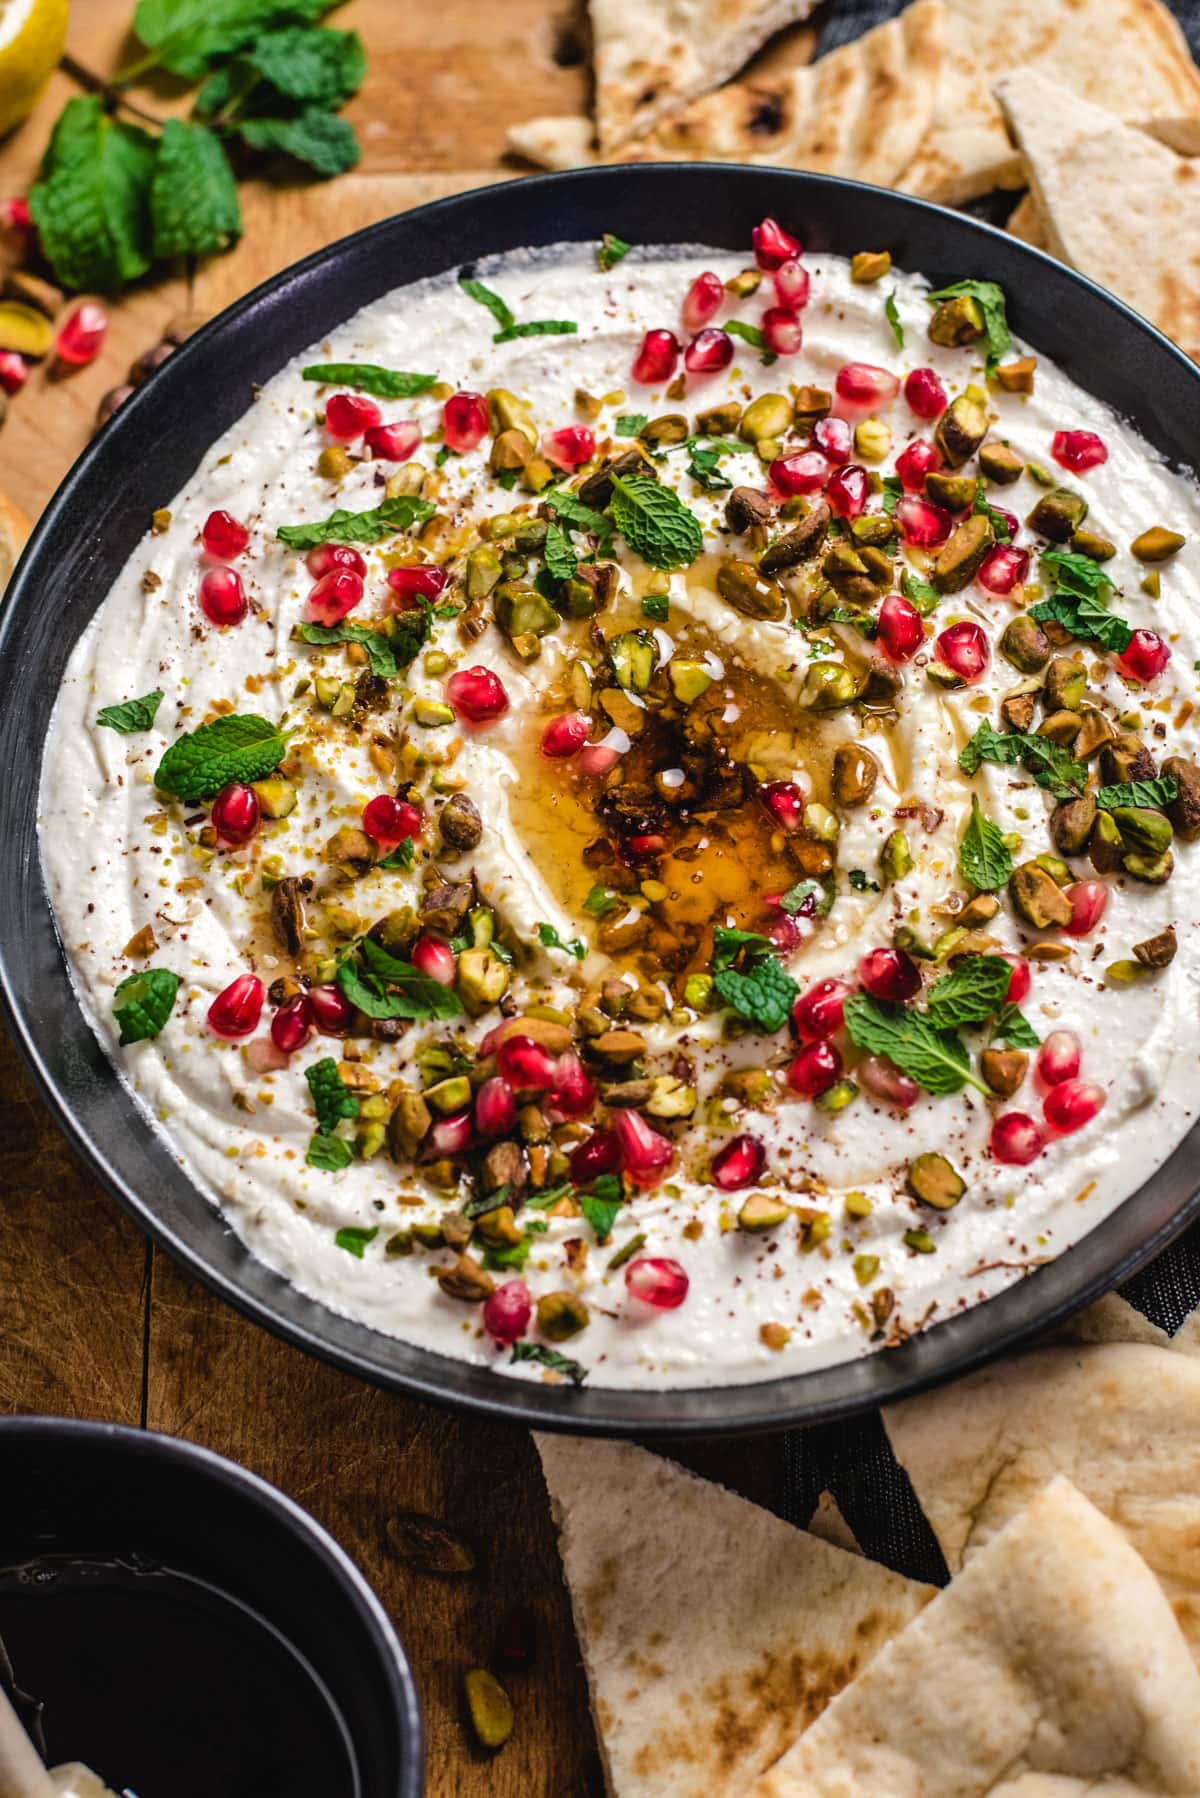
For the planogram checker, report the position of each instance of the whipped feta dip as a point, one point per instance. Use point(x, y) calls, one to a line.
point(829, 1247)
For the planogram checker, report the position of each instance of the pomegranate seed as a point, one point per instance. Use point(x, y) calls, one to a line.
point(348, 415)
point(14, 371)
point(785, 801)
point(786, 933)
point(1022, 978)
point(921, 522)
point(901, 628)
point(965, 649)
point(925, 394)
point(885, 1082)
point(848, 489)
point(235, 814)
point(390, 822)
point(526, 1065)
point(464, 422)
point(415, 582)
point(327, 556)
point(646, 1154)
point(915, 462)
point(334, 596)
point(782, 331)
point(773, 246)
point(434, 958)
point(1059, 1057)
point(236, 1011)
point(507, 1311)
point(1016, 1139)
point(569, 448)
point(1145, 656)
point(223, 537)
point(222, 598)
point(792, 284)
point(495, 1107)
point(332, 1011)
point(657, 1281)
point(1078, 450)
point(574, 1091)
point(477, 695)
point(79, 339)
point(15, 214)
point(1002, 569)
point(264, 1057)
point(292, 1024)
point(709, 352)
point(565, 736)
point(815, 1069)
point(646, 845)
point(656, 359)
point(702, 301)
point(804, 472)
point(599, 1154)
point(598, 759)
point(449, 1136)
point(1072, 1104)
point(1089, 898)
point(862, 384)
point(889, 974)
point(832, 437)
point(739, 1163)
point(393, 443)
point(817, 1014)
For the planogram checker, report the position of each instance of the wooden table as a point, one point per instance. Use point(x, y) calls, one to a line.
point(96, 1323)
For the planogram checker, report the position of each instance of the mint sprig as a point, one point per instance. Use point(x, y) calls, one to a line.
point(331, 1097)
point(1051, 764)
point(132, 714)
point(385, 520)
point(369, 377)
point(240, 746)
point(990, 297)
point(1011, 1026)
point(984, 860)
point(383, 986)
point(654, 522)
point(143, 1002)
point(970, 993)
point(551, 1358)
point(934, 1058)
point(1155, 795)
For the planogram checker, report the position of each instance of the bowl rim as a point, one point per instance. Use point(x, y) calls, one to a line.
point(282, 1512)
point(1170, 1199)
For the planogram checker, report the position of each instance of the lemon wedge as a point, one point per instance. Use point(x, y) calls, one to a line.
point(33, 34)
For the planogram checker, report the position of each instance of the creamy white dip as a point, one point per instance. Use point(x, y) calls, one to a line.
point(118, 857)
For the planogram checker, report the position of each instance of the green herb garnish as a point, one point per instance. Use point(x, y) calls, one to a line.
point(548, 1357)
point(143, 1002)
point(132, 714)
point(1051, 764)
point(892, 312)
point(990, 298)
point(654, 522)
point(550, 939)
point(919, 593)
point(354, 1238)
point(380, 657)
point(630, 424)
point(561, 560)
point(537, 327)
point(984, 860)
point(970, 993)
point(385, 520)
point(331, 1097)
point(240, 746)
point(749, 978)
point(656, 607)
point(385, 987)
point(1155, 795)
point(331, 1154)
point(752, 335)
point(934, 1058)
point(1011, 1026)
point(368, 377)
point(499, 308)
point(611, 250)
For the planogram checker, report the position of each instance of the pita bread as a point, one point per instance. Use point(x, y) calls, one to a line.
point(712, 1632)
point(966, 150)
point(1025, 222)
point(1122, 1421)
point(861, 111)
point(1139, 236)
point(650, 56)
point(1050, 1665)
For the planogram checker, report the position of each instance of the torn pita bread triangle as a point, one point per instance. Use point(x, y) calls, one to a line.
point(652, 56)
point(712, 1633)
point(1050, 1668)
point(1139, 236)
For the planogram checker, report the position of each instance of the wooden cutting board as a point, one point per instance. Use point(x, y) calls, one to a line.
point(97, 1324)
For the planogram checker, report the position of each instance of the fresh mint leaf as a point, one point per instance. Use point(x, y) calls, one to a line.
point(600, 1213)
point(601, 900)
point(919, 593)
point(91, 206)
point(991, 300)
point(561, 559)
point(752, 335)
point(510, 1258)
point(331, 1154)
point(550, 939)
point(861, 881)
point(484, 1202)
point(184, 36)
point(308, 65)
point(859, 621)
point(984, 860)
point(194, 208)
point(368, 377)
point(499, 308)
point(354, 1238)
point(385, 520)
point(1076, 574)
point(537, 327)
point(611, 250)
point(982, 507)
point(892, 312)
point(402, 856)
point(132, 714)
point(893, 493)
point(321, 141)
point(1154, 794)
point(934, 1058)
point(548, 1357)
point(331, 1097)
point(808, 898)
point(240, 746)
point(630, 424)
point(570, 508)
point(1051, 764)
point(656, 606)
point(763, 995)
point(704, 467)
point(654, 522)
point(970, 993)
point(1011, 1026)
point(380, 657)
point(143, 1002)
point(1085, 618)
point(386, 987)
point(729, 945)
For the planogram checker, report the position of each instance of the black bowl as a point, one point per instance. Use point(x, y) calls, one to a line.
point(115, 1495)
point(151, 448)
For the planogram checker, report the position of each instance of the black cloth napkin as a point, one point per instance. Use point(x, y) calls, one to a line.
point(854, 1460)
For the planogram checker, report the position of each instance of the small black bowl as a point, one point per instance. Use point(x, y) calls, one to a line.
point(121, 1511)
point(152, 446)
